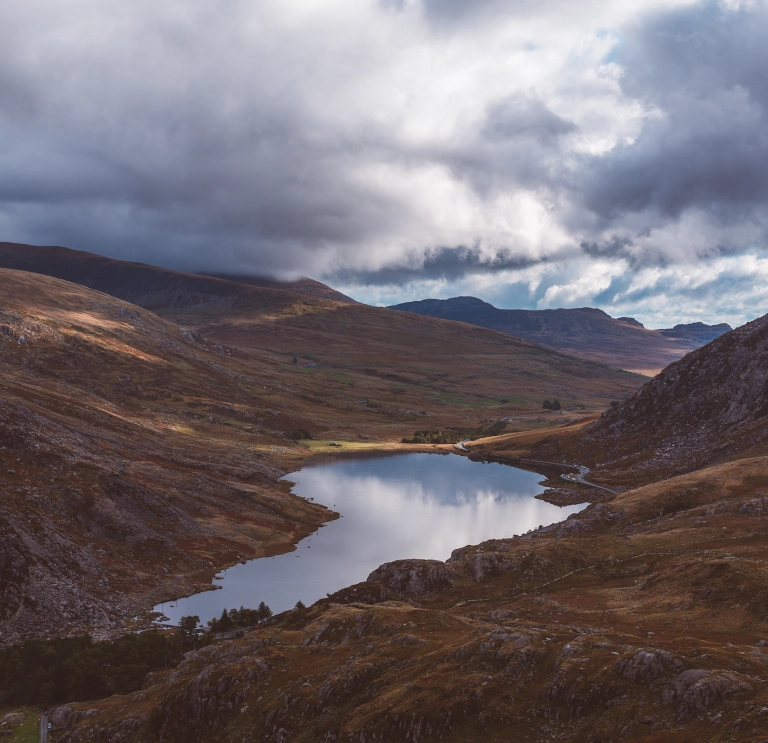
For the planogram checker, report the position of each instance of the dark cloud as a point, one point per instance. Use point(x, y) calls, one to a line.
point(447, 264)
point(356, 140)
point(702, 71)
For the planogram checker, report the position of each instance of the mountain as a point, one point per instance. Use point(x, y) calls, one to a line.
point(706, 408)
point(138, 456)
point(709, 406)
point(586, 332)
point(401, 363)
point(140, 451)
point(157, 288)
point(130, 462)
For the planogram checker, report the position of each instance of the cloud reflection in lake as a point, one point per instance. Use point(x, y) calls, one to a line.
point(395, 507)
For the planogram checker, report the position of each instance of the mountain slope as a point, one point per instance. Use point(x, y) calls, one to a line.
point(710, 405)
point(157, 288)
point(641, 619)
point(403, 364)
point(587, 332)
point(137, 457)
point(308, 287)
point(130, 460)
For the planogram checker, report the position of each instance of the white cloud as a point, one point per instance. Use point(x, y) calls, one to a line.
point(559, 147)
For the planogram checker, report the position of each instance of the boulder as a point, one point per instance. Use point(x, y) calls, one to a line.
point(61, 717)
point(13, 718)
point(697, 691)
point(645, 665)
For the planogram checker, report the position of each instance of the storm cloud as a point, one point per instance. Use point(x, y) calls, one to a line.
point(541, 152)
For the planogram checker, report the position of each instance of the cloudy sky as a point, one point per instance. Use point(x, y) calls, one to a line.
point(535, 153)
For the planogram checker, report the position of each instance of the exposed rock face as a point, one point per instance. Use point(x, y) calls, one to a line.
point(14, 569)
point(646, 665)
point(698, 691)
point(413, 577)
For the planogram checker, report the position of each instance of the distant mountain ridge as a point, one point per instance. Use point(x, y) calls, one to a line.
point(586, 332)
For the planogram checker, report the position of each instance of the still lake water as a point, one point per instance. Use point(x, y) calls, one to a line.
point(392, 507)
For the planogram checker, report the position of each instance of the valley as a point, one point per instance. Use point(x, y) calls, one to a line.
point(142, 446)
point(142, 451)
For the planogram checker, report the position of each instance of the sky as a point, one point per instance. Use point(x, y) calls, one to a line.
point(534, 153)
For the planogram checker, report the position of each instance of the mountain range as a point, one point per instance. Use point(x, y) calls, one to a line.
point(641, 618)
point(147, 417)
point(586, 332)
point(143, 441)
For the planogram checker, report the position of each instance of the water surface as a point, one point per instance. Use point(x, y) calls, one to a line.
point(392, 507)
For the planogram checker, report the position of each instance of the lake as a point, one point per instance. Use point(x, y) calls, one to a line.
point(392, 507)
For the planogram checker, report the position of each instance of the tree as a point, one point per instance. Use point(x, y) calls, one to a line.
point(187, 627)
point(263, 611)
point(299, 606)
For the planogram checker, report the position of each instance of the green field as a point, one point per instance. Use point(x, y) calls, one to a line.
point(28, 731)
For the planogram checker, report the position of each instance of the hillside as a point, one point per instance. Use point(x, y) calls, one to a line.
point(709, 407)
point(139, 457)
point(133, 460)
point(398, 362)
point(156, 288)
point(587, 332)
point(308, 287)
point(642, 618)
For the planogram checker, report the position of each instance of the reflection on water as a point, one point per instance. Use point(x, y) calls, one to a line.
point(395, 507)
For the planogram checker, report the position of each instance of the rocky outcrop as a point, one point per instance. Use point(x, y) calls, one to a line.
point(645, 666)
point(14, 569)
point(413, 577)
point(698, 691)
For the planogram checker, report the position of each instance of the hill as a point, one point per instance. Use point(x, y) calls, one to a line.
point(397, 363)
point(133, 460)
point(641, 618)
point(709, 406)
point(157, 288)
point(706, 408)
point(141, 456)
point(587, 332)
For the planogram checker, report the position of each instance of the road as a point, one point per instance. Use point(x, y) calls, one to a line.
point(583, 471)
point(572, 477)
point(44, 728)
